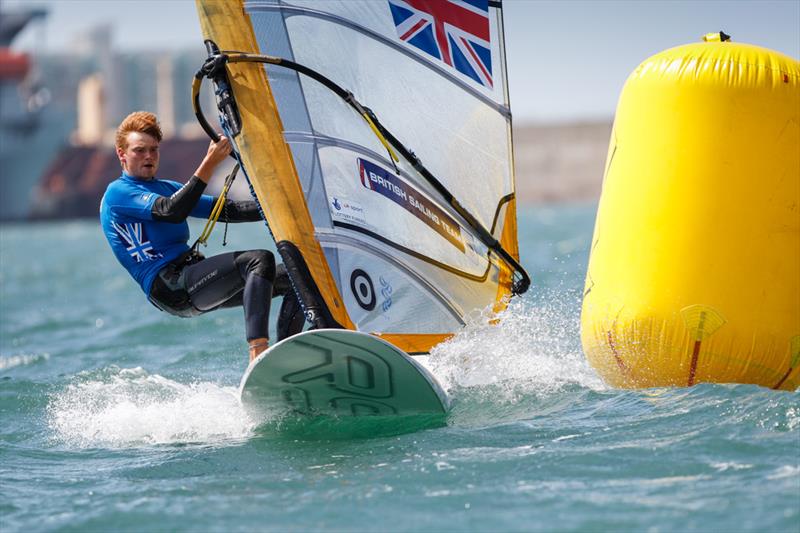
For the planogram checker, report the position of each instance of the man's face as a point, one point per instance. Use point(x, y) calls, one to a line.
point(140, 158)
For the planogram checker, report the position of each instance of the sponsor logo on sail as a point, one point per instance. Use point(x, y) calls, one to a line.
point(385, 183)
point(386, 292)
point(363, 289)
point(348, 211)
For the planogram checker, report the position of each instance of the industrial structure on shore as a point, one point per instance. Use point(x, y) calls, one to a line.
point(58, 112)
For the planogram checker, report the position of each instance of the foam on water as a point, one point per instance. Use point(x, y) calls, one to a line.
point(10, 361)
point(530, 348)
point(129, 407)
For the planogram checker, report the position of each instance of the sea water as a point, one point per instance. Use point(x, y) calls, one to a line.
point(115, 416)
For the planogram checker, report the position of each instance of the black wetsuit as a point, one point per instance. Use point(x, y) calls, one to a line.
point(192, 284)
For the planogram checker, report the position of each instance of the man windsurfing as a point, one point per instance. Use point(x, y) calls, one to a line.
point(144, 220)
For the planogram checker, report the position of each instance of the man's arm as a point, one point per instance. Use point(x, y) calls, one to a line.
point(177, 207)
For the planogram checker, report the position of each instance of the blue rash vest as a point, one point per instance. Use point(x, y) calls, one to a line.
point(143, 245)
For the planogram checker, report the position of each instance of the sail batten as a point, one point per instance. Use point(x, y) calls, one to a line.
point(403, 247)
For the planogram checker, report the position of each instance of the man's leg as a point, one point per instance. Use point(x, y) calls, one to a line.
point(226, 279)
point(290, 318)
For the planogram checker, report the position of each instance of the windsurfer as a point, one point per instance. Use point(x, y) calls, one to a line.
point(144, 220)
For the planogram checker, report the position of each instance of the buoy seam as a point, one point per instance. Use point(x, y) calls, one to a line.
point(792, 73)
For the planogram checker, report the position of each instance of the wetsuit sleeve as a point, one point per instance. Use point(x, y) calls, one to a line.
point(177, 207)
point(246, 211)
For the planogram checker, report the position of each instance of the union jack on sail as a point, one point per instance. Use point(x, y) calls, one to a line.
point(140, 249)
point(453, 31)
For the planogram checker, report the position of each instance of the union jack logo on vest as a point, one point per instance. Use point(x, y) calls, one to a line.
point(133, 235)
point(453, 31)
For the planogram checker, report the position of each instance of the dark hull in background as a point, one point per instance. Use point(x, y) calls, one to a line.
point(26, 147)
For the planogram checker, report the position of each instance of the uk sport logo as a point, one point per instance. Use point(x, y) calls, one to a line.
point(137, 246)
point(453, 31)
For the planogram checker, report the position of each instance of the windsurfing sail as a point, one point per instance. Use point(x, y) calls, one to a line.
point(376, 136)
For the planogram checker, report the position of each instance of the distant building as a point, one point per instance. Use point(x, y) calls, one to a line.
point(157, 81)
point(92, 122)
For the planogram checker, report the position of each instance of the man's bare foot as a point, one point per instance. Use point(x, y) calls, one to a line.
point(257, 346)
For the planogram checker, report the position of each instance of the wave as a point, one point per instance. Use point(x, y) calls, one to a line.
point(10, 361)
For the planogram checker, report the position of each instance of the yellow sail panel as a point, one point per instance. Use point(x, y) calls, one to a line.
point(415, 343)
point(266, 158)
point(509, 241)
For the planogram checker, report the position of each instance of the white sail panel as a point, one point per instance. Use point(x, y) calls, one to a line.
point(379, 297)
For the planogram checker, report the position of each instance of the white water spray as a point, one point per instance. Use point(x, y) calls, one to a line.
point(129, 407)
point(528, 348)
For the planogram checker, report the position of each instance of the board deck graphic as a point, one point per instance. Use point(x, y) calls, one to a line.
point(341, 373)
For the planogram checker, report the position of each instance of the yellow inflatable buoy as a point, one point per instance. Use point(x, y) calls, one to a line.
point(694, 273)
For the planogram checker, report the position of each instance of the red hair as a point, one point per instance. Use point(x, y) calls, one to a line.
point(141, 122)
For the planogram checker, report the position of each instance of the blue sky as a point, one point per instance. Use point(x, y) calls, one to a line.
point(568, 59)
